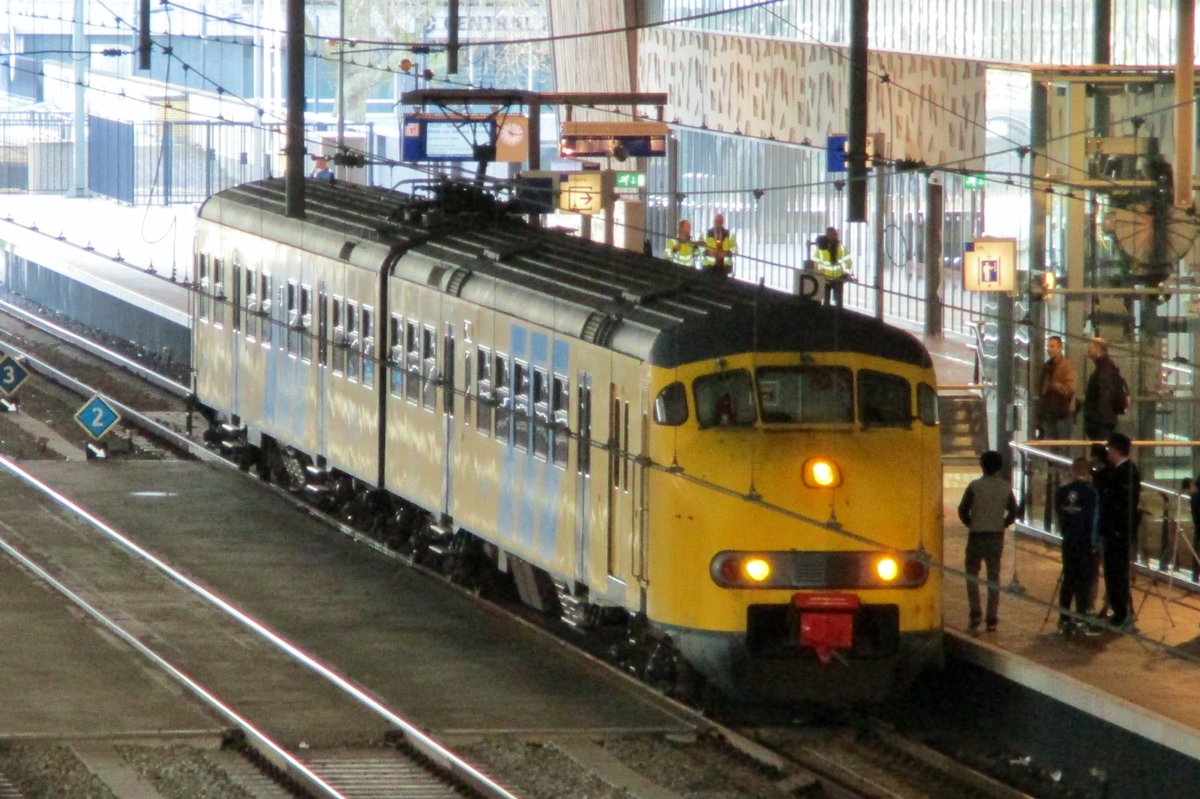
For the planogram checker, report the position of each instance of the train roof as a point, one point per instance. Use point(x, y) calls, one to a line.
point(634, 303)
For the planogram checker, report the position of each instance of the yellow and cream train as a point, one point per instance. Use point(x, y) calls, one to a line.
point(750, 482)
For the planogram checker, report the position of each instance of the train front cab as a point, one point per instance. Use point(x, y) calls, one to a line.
point(795, 540)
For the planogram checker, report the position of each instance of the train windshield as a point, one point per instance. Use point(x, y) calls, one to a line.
point(806, 394)
point(725, 399)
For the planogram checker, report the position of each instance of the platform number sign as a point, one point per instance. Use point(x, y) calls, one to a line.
point(12, 375)
point(97, 417)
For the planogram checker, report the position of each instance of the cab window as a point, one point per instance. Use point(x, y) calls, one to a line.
point(927, 404)
point(884, 400)
point(724, 399)
point(806, 394)
point(670, 406)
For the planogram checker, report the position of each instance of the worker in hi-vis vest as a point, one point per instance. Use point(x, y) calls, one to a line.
point(719, 248)
point(681, 249)
point(833, 263)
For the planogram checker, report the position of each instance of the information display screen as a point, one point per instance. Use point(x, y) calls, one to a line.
point(445, 138)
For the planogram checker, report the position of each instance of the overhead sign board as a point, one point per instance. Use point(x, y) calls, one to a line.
point(12, 375)
point(638, 139)
point(448, 137)
point(97, 417)
point(990, 265)
point(581, 192)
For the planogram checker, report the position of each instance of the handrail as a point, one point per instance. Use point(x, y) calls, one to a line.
point(1170, 511)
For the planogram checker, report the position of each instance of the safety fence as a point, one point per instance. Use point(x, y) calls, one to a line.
point(1164, 546)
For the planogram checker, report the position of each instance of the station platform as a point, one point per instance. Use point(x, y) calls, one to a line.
point(142, 255)
point(1147, 682)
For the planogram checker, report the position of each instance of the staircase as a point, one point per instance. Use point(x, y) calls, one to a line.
point(963, 418)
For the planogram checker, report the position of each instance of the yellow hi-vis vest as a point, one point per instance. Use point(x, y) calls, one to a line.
point(833, 265)
point(682, 252)
point(722, 250)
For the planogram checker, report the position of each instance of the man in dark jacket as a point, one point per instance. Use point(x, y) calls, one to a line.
point(987, 507)
point(1120, 494)
point(1103, 387)
point(1078, 510)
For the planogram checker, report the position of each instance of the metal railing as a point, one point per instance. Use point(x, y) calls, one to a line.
point(1164, 541)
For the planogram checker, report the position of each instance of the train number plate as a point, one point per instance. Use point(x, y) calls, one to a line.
point(826, 622)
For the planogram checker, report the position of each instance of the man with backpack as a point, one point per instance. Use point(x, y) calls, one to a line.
point(1107, 394)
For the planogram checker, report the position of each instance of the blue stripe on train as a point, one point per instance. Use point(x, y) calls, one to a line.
point(550, 496)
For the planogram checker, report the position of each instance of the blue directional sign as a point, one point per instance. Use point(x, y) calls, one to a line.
point(12, 375)
point(97, 417)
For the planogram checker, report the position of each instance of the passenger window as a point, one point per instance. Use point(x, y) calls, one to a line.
point(235, 280)
point(503, 400)
point(541, 414)
point(252, 324)
point(429, 374)
point(396, 355)
point(202, 287)
point(560, 398)
point(806, 394)
point(884, 400)
point(483, 385)
point(368, 347)
point(670, 406)
point(305, 323)
point(339, 336)
point(521, 405)
point(927, 404)
point(218, 292)
point(412, 365)
point(264, 308)
point(724, 399)
point(291, 340)
point(353, 341)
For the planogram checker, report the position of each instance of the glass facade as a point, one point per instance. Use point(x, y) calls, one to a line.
point(777, 198)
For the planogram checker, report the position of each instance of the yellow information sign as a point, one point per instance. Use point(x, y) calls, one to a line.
point(581, 192)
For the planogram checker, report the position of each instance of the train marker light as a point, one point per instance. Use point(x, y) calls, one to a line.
point(887, 568)
point(821, 473)
point(757, 569)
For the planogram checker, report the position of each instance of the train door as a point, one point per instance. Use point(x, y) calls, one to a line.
point(447, 381)
point(622, 469)
point(639, 488)
point(583, 478)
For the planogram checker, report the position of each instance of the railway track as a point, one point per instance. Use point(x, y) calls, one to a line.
point(775, 761)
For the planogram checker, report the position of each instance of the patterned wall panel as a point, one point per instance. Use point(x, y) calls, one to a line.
point(930, 109)
point(590, 63)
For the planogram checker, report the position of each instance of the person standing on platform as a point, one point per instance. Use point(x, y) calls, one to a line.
point(719, 248)
point(321, 170)
point(1103, 388)
point(1078, 509)
point(1120, 494)
point(987, 508)
point(681, 249)
point(834, 264)
point(1056, 396)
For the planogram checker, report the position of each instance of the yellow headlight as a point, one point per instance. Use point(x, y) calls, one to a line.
point(757, 569)
point(822, 472)
point(887, 568)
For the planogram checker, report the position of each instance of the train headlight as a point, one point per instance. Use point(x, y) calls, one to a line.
point(744, 570)
point(887, 568)
point(757, 569)
point(822, 472)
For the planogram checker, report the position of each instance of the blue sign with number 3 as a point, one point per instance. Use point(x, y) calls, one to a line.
point(12, 375)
